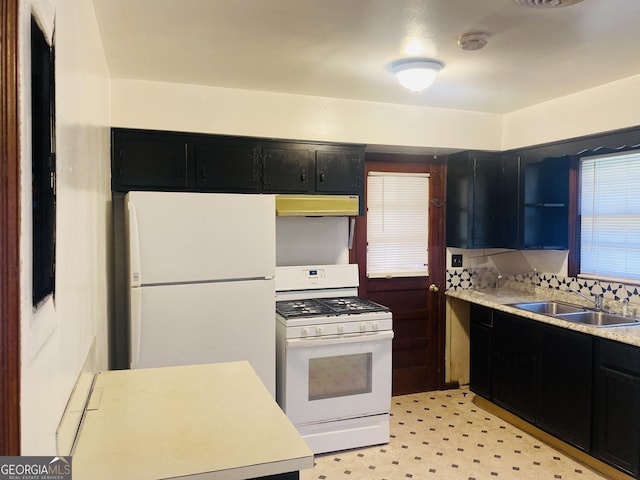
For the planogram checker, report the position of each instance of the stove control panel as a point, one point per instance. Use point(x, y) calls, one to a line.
point(339, 329)
point(315, 274)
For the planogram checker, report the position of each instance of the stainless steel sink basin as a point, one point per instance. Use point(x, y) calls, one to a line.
point(598, 319)
point(549, 307)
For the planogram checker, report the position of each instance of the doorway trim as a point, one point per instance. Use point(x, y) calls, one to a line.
point(9, 231)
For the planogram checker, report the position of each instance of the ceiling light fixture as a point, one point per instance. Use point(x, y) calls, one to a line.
point(416, 74)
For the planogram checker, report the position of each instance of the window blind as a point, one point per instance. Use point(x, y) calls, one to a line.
point(610, 215)
point(397, 224)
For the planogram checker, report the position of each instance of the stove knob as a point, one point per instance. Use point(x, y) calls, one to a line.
point(305, 331)
point(375, 325)
point(318, 330)
point(363, 327)
point(341, 328)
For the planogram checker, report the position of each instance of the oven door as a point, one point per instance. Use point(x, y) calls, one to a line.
point(336, 377)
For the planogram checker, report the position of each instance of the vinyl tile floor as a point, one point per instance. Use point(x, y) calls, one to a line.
point(444, 436)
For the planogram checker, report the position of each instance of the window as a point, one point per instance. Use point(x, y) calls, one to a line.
point(610, 216)
point(397, 224)
point(43, 164)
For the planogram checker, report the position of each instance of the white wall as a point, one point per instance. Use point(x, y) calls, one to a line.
point(58, 336)
point(601, 109)
point(312, 240)
point(192, 108)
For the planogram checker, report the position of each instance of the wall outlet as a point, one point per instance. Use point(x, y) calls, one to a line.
point(456, 260)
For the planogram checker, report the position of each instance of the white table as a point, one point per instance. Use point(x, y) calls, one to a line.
point(215, 421)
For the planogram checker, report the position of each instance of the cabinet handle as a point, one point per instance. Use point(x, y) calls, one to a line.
point(322, 177)
point(204, 173)
point(303, 177)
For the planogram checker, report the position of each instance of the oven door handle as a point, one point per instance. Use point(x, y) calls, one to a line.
point(346, 338)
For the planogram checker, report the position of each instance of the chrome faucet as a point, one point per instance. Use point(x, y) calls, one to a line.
point(596, 299)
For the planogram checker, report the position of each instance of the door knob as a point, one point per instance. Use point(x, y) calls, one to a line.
point(434, 288)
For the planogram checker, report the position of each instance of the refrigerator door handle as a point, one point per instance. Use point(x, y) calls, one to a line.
point(134, 247)
point(135, 315)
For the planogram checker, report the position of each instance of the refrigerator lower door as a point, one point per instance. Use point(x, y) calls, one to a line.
point(205, 323)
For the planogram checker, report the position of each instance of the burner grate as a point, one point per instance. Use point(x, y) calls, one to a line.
point(346, 305)
point(314, 307)
point(302, 308)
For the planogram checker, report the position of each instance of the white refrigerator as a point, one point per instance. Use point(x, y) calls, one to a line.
point(201, 270)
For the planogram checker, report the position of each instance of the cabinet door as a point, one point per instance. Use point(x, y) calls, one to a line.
point(617, 405)
point(285, 169)
point(457, 211)
point(485, 201)
point(509, 203)
point(482, 200)
point(143, 161)
point(480, 361)
point(339, 171)
point(514, 373)
point(546, 203)
point(565, 386)
point(226, 168)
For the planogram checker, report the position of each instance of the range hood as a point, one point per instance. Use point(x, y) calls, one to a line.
point(316, 205)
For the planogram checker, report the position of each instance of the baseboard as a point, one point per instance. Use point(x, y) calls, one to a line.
point(76, 405)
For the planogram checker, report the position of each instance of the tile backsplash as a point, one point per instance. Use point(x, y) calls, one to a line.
point(486, 278)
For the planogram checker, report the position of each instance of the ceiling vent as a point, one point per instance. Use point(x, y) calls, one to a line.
point(547, 3)
point(473, 41)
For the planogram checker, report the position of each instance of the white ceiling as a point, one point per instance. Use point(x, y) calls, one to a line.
point(342, 48)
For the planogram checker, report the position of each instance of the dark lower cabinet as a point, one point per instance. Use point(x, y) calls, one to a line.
point(582, 389)
point(515, 369)
point(565, 384)
point(617, 405)
point(540, 372)
point(481, 331)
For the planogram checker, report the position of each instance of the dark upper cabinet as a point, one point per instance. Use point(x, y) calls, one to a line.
point(149, 161)
point(287, 168)
point(339, 171)
point(510, 201)
point(617, 405)
point(226, 166)
point(514, 200)
point(545, 209)
point(482, 200)
point(152, 160)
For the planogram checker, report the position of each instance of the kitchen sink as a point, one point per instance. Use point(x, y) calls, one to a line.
point(598, 319)
point(577, 314)
point(549, 307)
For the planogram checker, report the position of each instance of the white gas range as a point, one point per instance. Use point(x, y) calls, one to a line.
point(333, 357)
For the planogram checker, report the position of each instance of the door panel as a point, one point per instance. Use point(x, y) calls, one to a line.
point(418, 321)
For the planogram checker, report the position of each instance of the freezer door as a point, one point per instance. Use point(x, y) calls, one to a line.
point(177, 237)
point(205, 323)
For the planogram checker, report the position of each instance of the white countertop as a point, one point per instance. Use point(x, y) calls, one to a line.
point(215, 421)
point(500, 301)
